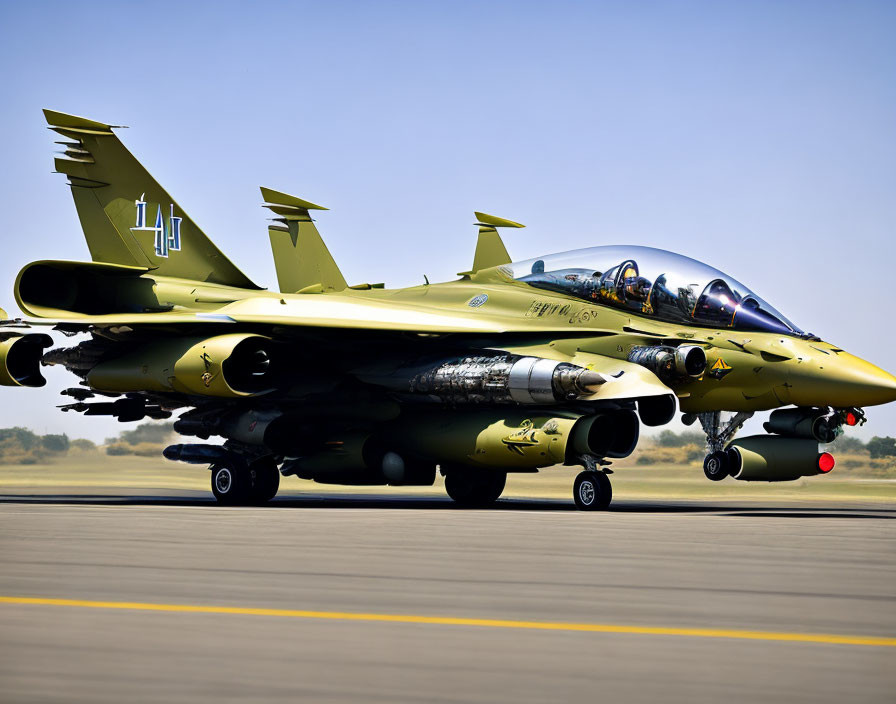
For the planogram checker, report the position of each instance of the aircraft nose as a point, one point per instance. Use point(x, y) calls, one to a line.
point(846, 381)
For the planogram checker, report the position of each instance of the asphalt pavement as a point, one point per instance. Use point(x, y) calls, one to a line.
point(407, 600)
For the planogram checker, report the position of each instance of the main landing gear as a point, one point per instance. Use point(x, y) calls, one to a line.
point(472, 487)
point(592, 490)
point(239, 483)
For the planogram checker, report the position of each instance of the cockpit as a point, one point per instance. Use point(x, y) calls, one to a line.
point(655, 283)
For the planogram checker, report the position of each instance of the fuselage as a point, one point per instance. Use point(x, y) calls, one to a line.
point(748, 370)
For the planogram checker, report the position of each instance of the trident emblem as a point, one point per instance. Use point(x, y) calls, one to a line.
point(166, 238)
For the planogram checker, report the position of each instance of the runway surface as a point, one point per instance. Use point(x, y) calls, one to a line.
point(406, 600)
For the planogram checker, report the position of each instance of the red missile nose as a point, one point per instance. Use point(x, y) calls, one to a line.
point(825, 462)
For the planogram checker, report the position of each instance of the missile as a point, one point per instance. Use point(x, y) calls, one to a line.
point(491, 379)
point(195, 453)
point(772, 458)
point(803, 423)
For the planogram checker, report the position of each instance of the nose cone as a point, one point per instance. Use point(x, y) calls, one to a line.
point(843, 380)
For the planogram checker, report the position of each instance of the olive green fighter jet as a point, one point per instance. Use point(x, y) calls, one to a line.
point(513, 367)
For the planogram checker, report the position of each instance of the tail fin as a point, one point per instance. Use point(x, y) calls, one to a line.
point(490, 249)
point(302, 259)
point(127, 217)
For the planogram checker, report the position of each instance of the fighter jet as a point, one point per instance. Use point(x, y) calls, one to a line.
point(513, 367)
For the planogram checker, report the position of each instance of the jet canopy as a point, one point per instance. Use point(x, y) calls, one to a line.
point(654, 283)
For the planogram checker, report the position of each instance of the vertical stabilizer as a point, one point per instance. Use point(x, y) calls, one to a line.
point(127, 217)
point(490, 249)
point(302, 259)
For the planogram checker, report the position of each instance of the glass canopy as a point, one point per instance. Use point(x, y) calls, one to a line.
point(654, 283)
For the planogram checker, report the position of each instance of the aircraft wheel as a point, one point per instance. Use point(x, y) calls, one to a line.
point(230, 484)
point(592, 491)
point(717, 466)
point(265, 481)
point(474, 488)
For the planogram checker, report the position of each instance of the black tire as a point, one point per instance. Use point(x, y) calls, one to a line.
point(264, 478)
point(717, 466)
point(230, 484)
point(474, 488)
point(592, 491)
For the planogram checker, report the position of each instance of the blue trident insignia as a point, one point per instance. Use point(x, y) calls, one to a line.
point(166, 238)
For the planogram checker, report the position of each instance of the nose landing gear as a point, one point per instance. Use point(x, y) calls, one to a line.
point(717, 466)
point(718, 463)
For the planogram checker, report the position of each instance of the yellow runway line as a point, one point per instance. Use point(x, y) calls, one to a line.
point(829, 638)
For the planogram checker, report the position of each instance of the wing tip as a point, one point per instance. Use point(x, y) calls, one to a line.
point(55, 118)
point(486, 220)
point(272, 197)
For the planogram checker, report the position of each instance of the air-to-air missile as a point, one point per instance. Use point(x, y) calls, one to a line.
point(513, 367)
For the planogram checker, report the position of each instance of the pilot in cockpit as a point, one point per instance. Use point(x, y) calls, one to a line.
point(717, 305)
point(686, 291)
point(624, 284)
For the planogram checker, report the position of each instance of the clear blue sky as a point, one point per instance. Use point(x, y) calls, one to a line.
point(757, 136)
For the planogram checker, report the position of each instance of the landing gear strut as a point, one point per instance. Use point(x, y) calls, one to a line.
point(235, 482)
point(717, 465)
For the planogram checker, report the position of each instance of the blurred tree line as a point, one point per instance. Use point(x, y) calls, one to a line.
point(668, 438)
point(23, 446)
point(146, 440)
point(876, 447)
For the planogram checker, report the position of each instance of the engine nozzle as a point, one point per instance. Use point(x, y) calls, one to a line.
point(671, 364)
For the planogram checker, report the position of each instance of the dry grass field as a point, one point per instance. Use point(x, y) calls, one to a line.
point(668, 476)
